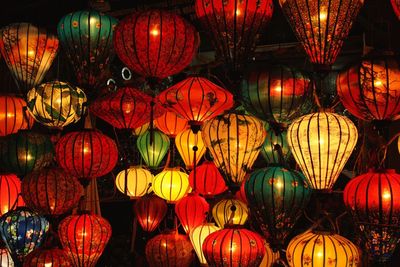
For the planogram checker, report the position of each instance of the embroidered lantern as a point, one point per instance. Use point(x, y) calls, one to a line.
point(150, 210)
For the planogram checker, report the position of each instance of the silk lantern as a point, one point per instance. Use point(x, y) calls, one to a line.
point(47, 257)
point(150, 210)
point(270, 257)
point(396, 7)
point(209, 181)
point(230, 209)
point(170, 124)
point(13, 115)
point(135, 181)
point(10, 187)
point(5, 258)
point(197, 237)
point(171, 184)
point(153, 151)
point(191, 147)
point(192, 211)
point(276, 140)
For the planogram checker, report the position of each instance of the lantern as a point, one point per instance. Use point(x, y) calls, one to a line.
point(150, 210)
point(396, 7)
point(170, 124)
point(171, 184)
point(5, 258)
point(197, 237)
point(155, 43)
point(141, 130)
point(209, 181)
point(321, 144)
point(192, 211)
point(135, 182)
point(87, 39)
point(234, 141)
point(274, 141)
point(270, 257)
point(241, 193)
point(47, 258)
point(188, 143)
point(13, 116)
point(277, 197)
point(374, 204)
point(10, 187)
point(222, 212)
point(56, 104)
point(51, 191)
point(28, 51)
point(233, 26)
point(153, 152)
point(169, 249)
point(321, 249)
point(84, 237)
point(234, 246)
point(86, 154)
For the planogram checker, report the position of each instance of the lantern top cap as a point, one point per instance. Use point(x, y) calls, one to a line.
point(381, 170)
point(323, 232)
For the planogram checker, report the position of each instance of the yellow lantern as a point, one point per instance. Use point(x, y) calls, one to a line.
point(321, 249)
point(141, 130)
point(197, 236)
point(134, 182)
point(270, 257)
point(171, 184)
point(321, 144)
point(186, 142)
point(222, 212)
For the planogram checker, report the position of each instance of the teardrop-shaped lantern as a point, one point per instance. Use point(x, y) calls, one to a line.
point(134, 182)
point(13, 115)
point(47, 258)
point(150, 210)
point(10, 187)
point(209, 181)
point(197, 237)
point(222, 212)
point(5, 258)
point(321, 144)
point(153, 152)
point(171, 184)
point(170, 124)
point(192, 211)
point(188, 143)
point(275, 140)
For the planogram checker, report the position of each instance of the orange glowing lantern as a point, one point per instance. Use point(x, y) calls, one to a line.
point(13, 115)
point(10, 187)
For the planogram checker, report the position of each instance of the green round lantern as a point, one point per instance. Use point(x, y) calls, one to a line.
point(275, 140)
point(152, 147)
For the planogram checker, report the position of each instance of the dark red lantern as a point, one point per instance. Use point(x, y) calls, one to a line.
point(396, 7)
point(192, 211)
point(47, 258)
point(150, 211)
point(10, 187)
point(241, 193)
point(209, 181)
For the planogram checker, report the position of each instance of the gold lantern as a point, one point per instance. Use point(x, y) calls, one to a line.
point(135, 182)
point(171, 184)
point(141, 130)
point(197, 236)
point(270, 256)
point(222, 212)
point(187, 142)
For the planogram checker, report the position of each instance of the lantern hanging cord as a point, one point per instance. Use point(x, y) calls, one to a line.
point(195, 148)
point(384, 149)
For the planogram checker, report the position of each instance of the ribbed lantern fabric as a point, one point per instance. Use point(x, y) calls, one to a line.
point(134, 181)
point(241, 193)
point(171, 184)
point(192, 211)
point(321, 144)
point(13, 115)
point(396, 7)
point(150, 210)
point(28, 51)
point(171, 124)
point(321, 249)
point(209, 181)
point(5, 258)
point(222, 212)
point(155, 43)
point(321, 26)
point(141, 130)
point(153, 151)
point(47, 258)
point(188, 143)
point(10, 187)
point(270, 257)
point(197, 237)
point(270, 147)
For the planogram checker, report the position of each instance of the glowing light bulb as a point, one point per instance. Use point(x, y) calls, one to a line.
point(10, 115)
point(320, 254)
point(386, 195)
point(378, 83)
point(238, 12)
point(86, 150)
point(31, 53)
point(155, 32)
point(278, 89)
point(48, 264)
point(279, 184)
point(92, 20)
point(323, 15)
point(28, 157)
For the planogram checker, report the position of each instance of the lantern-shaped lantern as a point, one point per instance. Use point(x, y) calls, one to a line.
point(222, 212)
point(87, 39)
point(321, 144)
point(171, 184)
point(192, 211)
point(170, 124)
point(150, 211)
point(197, 237)
point(13, 116)
point(135, 182)
point(270, 257)
point(56, 104)
point(141, 130)
point(396, 7)
point(10, 187)
point(188, 143)
point(153, 151)
point(47, 258)
point(84, 237)
point(209, 181)
point(28, 51)
point(234, 246)
point(321, 249)
point(234, 141)
point(5, 258)
point(274, 141)
point(234, 26)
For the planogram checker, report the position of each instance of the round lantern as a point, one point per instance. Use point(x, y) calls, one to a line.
point(56, 104)
point(321, 249)
point(234, 141)
point(321, 26)
point(86, 154)
point(234, 26)
point(192, 211)
point(87, 39)
point(197, 237)
point(51, 191)
point(171, 184)
point(134, 182)
point(222, 212)
point(396, 7)
point(234, 246)
point(47, 258)
point(169, 249)
point(28, 51)
point(321, 144)
point(153, 151)
point(270, 257)
point(188, 143)
point(170, 124)
point(155, 43)
point(209, 181)
point(5, 258)
point(374, 204)
point(274, 141)
point(141, 130)
point(13, 115)
point(150, 210)
point(10, 187)
point(84, 238)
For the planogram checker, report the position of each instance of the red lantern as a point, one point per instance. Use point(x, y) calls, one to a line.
point(209, 181)
point(47, 258)
point(241, 193)
point(10, 187)
point(150, 210)
point(170, 124)
point(155, 43)
point(13, 115)
point(192, 211)
point(396, 7)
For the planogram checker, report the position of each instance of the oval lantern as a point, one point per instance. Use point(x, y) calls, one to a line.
point(141, 130)
point(171, 184)
point(47, 258)
point(396, 7)
point(28, 51)
point(134, 182)
point(170, 124)
point(13, 115)
point(197, 237)
point(192, 211)
point(321, 144)
point(5, 258)
point(150, 210)
point(10, 187)
point(153, 152)
point(209, 181)
point(188, 143)
point(222, 212)
point(275, 140)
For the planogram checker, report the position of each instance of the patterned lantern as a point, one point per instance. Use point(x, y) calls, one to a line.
point(87, 39)
point(374, 203)
point(321, 144)
point(234, 141)
point(134, 182)
point(192, 211)
point(141, 130)
point(188, 143)
point(51, 191)
point(28, 52)
point(234, 26)
point(10, 187)
point(84, 238)
point(222, 212)
point(321, 249)
point(170, 124)
point(270, 149)
point(197, 237)
point(396, 7)
point(5, 258)
point(13, 116)
point(321, 26)
point(171, 184)
point(56, 104)
point(270, 257)
point(153, 152)
point(209, 181)
point(47, 258)
point(155, 43)
point(150, 211)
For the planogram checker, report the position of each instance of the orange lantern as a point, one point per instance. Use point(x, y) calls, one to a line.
point(13, 116)
point(10, 187)
point(170, 124)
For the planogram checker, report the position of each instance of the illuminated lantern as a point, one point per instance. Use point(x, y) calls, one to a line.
point(234, 141)
point(222, 212)
point(134, 182)
point(86, 154)
point(321, 26)
point(370, 90)
point(150, 210)
point(234, 246)
point(56, 104)
point(141, 130)
point(47, 258)
point(197, 237)
point(374, 203)
point(169, 249)
point(278, 94)
point(10, 187)
point(270, 257)
point(5, 258)
point(241, 193)
point(192, 211)
point(321, 144)
point(270, 147)
point(277, 197)
point(87, 39)
point(188, 143)
point(396, 7)
point(170, 124)
point(153, 152)
point(84, 238)
point(209, 181)
point(13, 116)
point(171, 184)
point(155, 43)
point(321, 249)
point(51, 191)
point(233, 26)
point(28, 51)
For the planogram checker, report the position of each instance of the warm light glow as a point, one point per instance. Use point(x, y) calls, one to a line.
point(93, 21)
point(185, 141)
point(223, 209)
point(138, 181)
point(386, 195)
point(155, 32)
point(378, 83)
point(197, 236)
point(171, 184)
point(323, 15)
point(48, 264)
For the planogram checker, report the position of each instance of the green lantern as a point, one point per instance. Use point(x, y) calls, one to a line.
point(275, 138)
point(277, 197)
point(153, 151)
